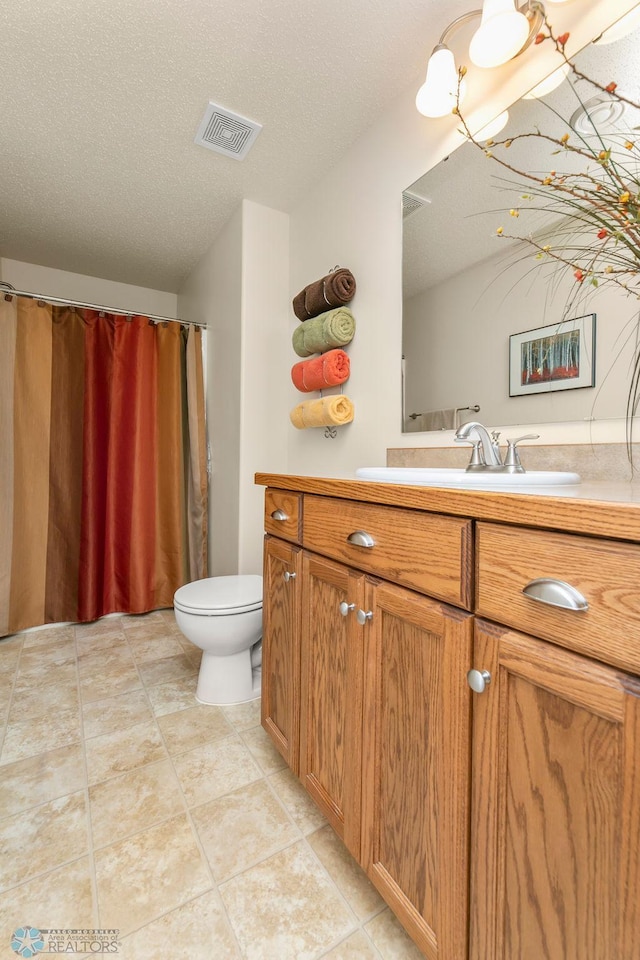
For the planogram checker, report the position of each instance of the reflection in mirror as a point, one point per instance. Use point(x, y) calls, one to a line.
point(466, 291)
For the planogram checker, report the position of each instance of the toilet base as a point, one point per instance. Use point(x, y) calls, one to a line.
point(226, 680)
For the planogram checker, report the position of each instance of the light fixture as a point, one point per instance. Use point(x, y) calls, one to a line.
point(439, 93)
point(504, 33)
point(501, 35)
point(493, 127)
point(622, 28)
point(552, 82)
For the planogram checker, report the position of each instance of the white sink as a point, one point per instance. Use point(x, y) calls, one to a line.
point(458, 477)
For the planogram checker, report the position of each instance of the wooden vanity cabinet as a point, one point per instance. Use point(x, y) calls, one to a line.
point(555, 829)
point(282, 587)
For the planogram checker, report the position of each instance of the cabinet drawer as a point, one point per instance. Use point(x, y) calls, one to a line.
point(425, 551)
point(605, 572)
point(283, 513)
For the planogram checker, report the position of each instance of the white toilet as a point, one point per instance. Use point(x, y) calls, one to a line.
point(223, 616)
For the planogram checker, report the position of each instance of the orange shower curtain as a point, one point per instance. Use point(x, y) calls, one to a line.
point(103, 483)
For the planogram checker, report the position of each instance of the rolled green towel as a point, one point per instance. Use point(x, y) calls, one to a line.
point(332, 329)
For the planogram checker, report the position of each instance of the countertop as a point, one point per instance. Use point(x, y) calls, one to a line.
point(597, 508)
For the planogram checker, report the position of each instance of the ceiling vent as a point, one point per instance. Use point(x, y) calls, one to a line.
point(227, 132)
point(412, 202)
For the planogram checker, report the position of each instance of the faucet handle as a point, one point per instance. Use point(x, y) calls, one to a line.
point(512, 457)
point(477, 460)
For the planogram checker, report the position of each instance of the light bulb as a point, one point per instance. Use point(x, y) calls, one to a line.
point(439, 93)
point(552, 82)
point(493, 127)
point(501, 35)
point(622, 28)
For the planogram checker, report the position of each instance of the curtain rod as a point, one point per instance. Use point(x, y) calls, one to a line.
point(7, 288)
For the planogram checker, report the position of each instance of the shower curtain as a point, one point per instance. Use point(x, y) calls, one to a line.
point(103, 483)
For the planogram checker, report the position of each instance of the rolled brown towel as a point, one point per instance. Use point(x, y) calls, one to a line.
point(328, 370)
point(327, 412)
point(334, 290)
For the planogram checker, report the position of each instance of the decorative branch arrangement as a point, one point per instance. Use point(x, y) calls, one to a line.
point(599, 206)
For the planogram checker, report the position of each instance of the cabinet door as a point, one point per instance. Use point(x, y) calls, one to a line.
point(281, 648)
point(331, 694)
point(417, 744)
point(556, 805)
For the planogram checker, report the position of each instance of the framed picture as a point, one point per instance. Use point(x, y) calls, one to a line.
point(561, 356)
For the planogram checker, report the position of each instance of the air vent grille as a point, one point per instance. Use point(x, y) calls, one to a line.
point(227, 132)
point(412, 202)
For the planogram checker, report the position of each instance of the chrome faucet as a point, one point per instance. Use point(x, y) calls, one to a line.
point(486, 449)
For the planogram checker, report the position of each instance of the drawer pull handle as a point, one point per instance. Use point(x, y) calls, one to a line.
point(478, 680)
point(279, 515)
point(359, 538)
point(346, 607)
point(288, 576)
point(362, 617)
point(556, 593)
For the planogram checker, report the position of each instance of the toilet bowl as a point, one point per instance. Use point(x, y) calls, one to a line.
point(223, 616)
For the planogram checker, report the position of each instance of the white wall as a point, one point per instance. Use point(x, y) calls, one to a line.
point(240, 289)
point(467, 320)
point(76, 286)
point(352, 217)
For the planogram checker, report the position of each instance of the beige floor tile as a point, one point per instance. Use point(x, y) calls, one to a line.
point(27, 738)
point(356, 947)
point(44, 701)
point(190, 728)
point(44, 638)
point(216, 768)
point(89, 644)
point(58, 648)
point(173, 696)
point(40, 839)
point(297, 801)
point(115, 713)
point(197, 931)
point(28, 783)
point(242, 828)
point(155, 648)
point(10, 650)
point(170, 668)
point(142, 878)
point(302, 912)
point(124, 750)
point(61, 899)
point(260, 744)
point(131, 621)
point(390, 939)
point(243, 716)
point(120, 679)
point(41, 673)
point(97, 628)
point(192, 653)
point(132, 802)
point(106, 662)
point(351, 880)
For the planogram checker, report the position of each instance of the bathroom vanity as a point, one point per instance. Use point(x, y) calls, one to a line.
point(500, 822)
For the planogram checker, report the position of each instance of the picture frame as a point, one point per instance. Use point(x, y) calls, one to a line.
point(561, 356)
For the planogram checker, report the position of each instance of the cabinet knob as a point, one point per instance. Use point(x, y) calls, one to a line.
point(288, 576)
point(360, 538)
point(556, 593)
point(345, 607)
point(478, 680)
point(279, 515)
point(362, 617)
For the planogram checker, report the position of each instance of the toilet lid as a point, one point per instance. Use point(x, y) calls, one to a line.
point(221, 594)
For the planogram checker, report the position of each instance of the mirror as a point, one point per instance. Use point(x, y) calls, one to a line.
point(467, 291)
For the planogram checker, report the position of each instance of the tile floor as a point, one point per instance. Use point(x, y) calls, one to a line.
point(125, 804)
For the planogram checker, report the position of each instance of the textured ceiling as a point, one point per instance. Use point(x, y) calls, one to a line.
point(101, 100)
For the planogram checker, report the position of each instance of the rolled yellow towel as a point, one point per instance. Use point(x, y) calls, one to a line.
point(335, 328)
point(326, 412)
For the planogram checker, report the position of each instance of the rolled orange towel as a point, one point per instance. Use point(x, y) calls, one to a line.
point(334, 290)
point(327, 412)
point(327, 370)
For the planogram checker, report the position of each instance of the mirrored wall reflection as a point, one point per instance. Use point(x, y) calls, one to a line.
point(468, 294)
